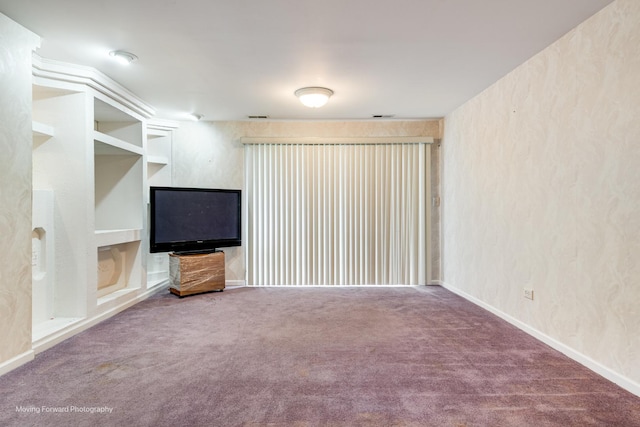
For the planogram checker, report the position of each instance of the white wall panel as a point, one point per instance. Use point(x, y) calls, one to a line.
point(16, 46)
point(541, 189)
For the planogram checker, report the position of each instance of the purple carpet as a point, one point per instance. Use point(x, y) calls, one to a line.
point(309, 357)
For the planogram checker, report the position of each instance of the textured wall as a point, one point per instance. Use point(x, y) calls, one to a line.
point(210, 154)
point(16, 45)
point(541, 189)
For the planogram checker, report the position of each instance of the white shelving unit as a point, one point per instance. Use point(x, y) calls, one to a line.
point(118, 149)
point(91, 171)
point(159, 146)
point(59, 163)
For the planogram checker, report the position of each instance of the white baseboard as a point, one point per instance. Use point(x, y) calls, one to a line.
point(15, 362)
point(600, 369)
point(233, 283)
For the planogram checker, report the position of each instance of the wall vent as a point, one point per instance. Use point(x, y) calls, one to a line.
point(258, 117)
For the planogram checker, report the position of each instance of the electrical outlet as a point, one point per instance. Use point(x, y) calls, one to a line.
point(528, 293)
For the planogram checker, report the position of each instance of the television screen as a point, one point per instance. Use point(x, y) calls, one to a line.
point(194, 219)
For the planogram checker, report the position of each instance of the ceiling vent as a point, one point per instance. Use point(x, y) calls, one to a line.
point(383, 116)
point(258, 117)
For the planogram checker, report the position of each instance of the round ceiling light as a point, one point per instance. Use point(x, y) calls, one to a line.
point(314, 97)
point(123, 57)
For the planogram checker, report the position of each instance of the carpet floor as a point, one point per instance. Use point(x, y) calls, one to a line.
point(414, 356)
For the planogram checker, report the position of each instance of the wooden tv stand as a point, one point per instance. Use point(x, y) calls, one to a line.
point(196, 274)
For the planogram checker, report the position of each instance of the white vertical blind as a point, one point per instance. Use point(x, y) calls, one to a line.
point(337, 214)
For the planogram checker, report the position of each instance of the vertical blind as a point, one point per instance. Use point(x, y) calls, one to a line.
point(337, 214)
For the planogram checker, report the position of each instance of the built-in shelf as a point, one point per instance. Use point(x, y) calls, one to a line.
point(113, 237)
point(117, 296)
point(159, 279)
point(118, 267)
point(43, 130)
point(108, 145)
point(118, 121)
point(118, 191)
point(159, 150)
point(157, 269)
point(158, 160)
point(159, 142)
point(156, 133)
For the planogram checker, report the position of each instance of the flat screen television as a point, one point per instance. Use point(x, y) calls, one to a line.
point(194, 220)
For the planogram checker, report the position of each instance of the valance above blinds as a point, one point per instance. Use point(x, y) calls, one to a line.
point(345, 141)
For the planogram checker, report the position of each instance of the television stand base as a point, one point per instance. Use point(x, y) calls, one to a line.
point(196, 274)
point(183, 294)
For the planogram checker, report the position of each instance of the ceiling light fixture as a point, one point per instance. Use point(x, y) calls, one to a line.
point(123, 57)
point(314, 97)
point(196, 117)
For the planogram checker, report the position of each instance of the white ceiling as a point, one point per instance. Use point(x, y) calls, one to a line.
point(228, 59)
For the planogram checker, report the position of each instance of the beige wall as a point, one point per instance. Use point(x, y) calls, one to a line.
point(541, 189)
point(210, 154)
point(16, 45)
